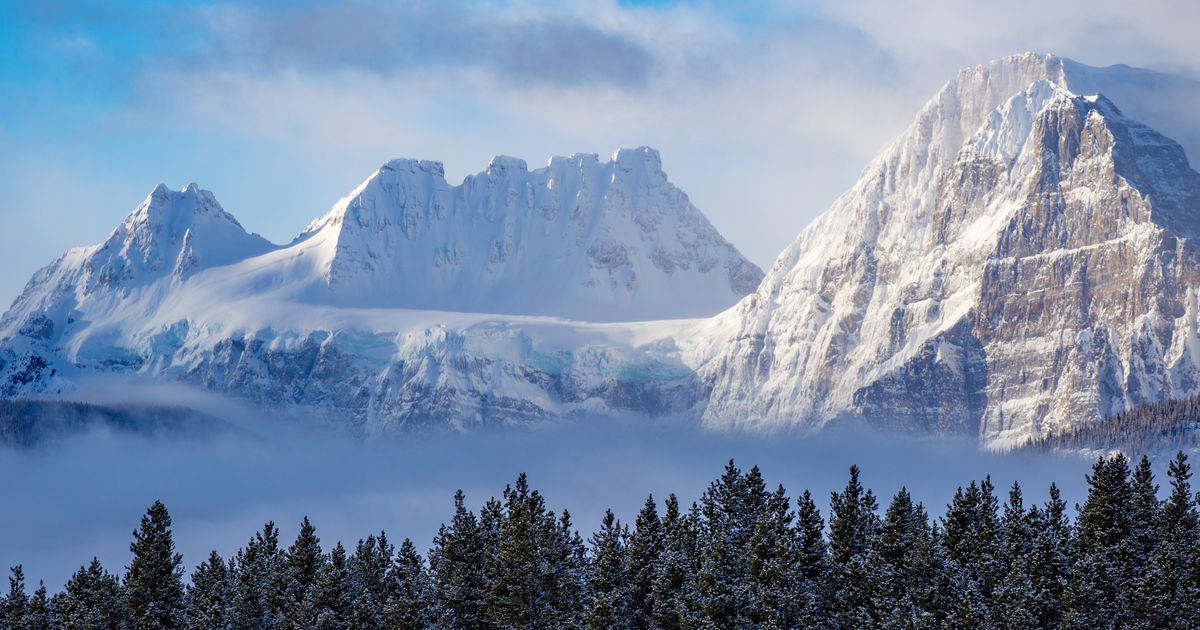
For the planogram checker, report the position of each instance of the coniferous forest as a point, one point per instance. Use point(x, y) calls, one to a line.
point(744, 556)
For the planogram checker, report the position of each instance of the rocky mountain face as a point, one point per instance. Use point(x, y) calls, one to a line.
point(1022, 260)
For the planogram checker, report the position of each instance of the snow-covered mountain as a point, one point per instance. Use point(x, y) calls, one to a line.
point(346, 317)
point(1022, 259)
point(580, 238)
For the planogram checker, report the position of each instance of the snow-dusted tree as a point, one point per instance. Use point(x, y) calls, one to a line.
point(154, 579)
point(853, 526)
point(410, 603)
point(645, 557)
point(93, 599)
point(456, 562)
point(206, 602)
point(611, 601)
point(257, 598)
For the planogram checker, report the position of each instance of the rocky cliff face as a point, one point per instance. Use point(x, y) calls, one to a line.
point(1022, 259)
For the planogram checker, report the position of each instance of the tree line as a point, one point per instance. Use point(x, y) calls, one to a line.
point(743, 556)
point(1157, 427)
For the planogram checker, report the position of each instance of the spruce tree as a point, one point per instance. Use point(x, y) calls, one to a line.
point(154, 578)
point(1170, 590)
point(1105, 545)
point(611, 605)
point(455, 564)
point(409, 606)
point(1051, 558)
point(904, 566)
point(370, 567)
point(93, 599)
point(303, 563)
point(257, 598)
point(812, 562)
point(676, 596)
point(853, 526)
point(521, 578)
point(332, 592)
point(38, 615)
point(14, 604)
point(773, 565)
point(206, 602)
point(645, 556)
point(569, 575)
point(730, 507)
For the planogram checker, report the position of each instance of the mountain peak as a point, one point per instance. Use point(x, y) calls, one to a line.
point(175, 232)
point(577, 238)
point(1018, 260)
point(502, 164)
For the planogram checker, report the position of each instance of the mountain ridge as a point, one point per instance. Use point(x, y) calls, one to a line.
point(1019, 262)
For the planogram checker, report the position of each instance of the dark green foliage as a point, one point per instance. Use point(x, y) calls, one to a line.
point(208, 596)
point(154, 580)
point(645, 557)
point(853, 577)
point(14, 605)
point(257, 597)
point(93, 599)
point(741, 557)
point(612, 601)
point(456, 563)
point(409, 603)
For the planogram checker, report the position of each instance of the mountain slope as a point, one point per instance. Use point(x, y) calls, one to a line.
point(1020, 260)
point(344, 318)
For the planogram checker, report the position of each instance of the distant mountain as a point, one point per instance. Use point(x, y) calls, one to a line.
point(1022, 260)
point(352, 315)
point(33, 423)
point(579, 238)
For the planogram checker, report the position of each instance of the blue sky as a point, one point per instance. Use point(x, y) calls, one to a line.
point(763, 113)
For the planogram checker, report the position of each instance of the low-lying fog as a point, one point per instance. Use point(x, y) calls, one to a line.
point(67, 501)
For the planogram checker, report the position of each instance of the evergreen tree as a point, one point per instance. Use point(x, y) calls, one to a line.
point(1105, 545)
point(14, 605)
point(522, 580)
point(812, 563)
point(730, 507)
point(853, 526)
point(1170, 590)
point(675, 594)
point(154, 579)
point(303, 563)
point(207, 598)
point(1012, 608)
point(93, 599)
point(773, 565)
point(332, 592)
point(569, 574)
point(38, 615)
point(455, 563)
point(257, 598)
point(611, 605)
point(370, 568)
point(645, 556)
point(1049, 566)
point(410, 605)
point(903, 555)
